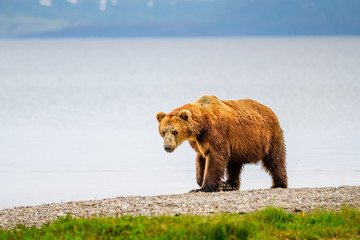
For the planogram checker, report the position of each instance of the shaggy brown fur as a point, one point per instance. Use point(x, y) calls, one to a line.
point(225, 135)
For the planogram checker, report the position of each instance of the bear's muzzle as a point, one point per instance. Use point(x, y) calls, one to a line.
point(168, 148)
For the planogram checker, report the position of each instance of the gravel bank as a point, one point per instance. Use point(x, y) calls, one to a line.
point(302, 199)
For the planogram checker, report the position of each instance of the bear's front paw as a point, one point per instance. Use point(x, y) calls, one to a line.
point(195, 190)
point(225, 187)
point(205, 189)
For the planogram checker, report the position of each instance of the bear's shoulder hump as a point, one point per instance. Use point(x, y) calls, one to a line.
point(206, 100)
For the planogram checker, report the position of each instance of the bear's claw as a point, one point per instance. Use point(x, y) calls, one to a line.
point(195, 190)
point(224, 187)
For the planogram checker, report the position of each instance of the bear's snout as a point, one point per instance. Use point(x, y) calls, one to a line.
point(168, 148)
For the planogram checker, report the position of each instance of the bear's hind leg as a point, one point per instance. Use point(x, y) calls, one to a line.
point(275, 164)
point(233, 171)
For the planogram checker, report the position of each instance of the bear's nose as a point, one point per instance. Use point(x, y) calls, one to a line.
point(167, 148)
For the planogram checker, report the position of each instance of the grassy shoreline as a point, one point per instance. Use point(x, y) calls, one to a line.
point(269, 223)
point(199, 204)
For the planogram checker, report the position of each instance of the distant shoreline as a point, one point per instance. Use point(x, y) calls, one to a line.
point(243, 201)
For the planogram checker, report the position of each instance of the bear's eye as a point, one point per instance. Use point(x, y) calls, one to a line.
point(163, 133)
point(175, 133)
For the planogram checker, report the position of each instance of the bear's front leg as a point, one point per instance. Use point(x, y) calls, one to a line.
point(213, 172)
point(200, 166)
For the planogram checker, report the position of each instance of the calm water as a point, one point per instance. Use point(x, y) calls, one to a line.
point(77, 117)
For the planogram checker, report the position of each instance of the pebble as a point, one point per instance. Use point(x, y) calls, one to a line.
point(243, 201)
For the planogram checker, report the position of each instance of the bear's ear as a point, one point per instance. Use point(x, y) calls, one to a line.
point(160, 116)
point(184, 114)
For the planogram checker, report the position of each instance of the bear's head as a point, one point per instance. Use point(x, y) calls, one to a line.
point(174, 128)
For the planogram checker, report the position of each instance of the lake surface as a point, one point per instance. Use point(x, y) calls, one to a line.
point(77, 116)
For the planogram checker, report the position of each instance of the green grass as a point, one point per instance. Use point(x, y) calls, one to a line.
point(270, 223)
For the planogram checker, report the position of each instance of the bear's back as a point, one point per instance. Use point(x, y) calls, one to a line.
point(243, 108)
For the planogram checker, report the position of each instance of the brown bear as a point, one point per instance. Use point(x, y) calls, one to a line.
point(226, 134)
